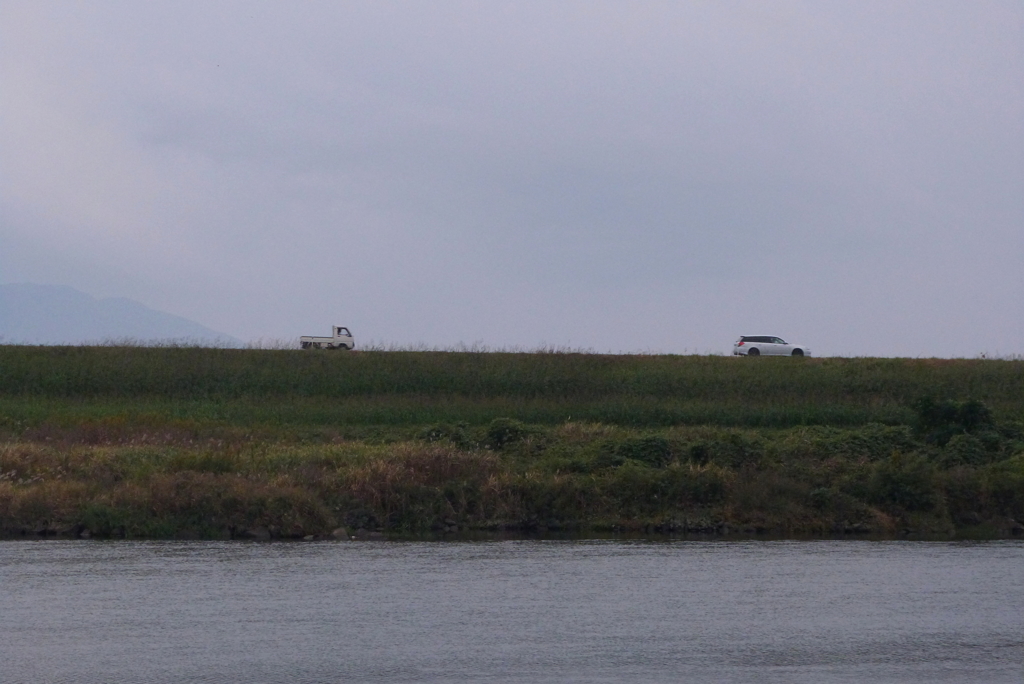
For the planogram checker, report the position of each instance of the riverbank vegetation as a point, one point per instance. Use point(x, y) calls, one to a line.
point(214, 443)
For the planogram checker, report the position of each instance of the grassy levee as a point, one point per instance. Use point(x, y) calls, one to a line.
point(408, 387)
point(163, 442)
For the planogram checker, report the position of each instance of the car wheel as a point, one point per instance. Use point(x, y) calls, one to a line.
point(753, 352)
point(798, 352)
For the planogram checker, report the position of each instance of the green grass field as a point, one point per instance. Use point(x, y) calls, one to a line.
point(166, 442)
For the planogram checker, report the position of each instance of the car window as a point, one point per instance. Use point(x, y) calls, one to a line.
point(778, 340)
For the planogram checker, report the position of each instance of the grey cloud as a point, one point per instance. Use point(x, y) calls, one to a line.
point(518, 173)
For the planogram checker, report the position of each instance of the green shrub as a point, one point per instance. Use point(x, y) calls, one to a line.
point(502, 432)
point(608, 457)
point(699, 453)
point(118, 521)
point(965, 449)
point(872, 442)
point(821, 497)
point(652, 450)
point(456, 434)
point(1006, 486)
point(706, 486)
point(875, 441)
point(361, 518)
point(966, 492)
point(938, 420)
point(733, 450)
point(906, 481)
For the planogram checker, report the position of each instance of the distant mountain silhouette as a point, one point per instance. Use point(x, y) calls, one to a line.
point(54, 314)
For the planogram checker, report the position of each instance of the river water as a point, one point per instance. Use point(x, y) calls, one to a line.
point(512, 611)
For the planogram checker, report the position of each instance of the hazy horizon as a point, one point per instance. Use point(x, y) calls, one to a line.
point(651, 176)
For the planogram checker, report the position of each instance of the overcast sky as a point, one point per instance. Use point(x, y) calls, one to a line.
point(622, 176)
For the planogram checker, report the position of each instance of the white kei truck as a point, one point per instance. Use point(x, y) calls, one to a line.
point(341, 339)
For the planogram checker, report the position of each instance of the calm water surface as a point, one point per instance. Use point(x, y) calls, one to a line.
point(525, 611)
